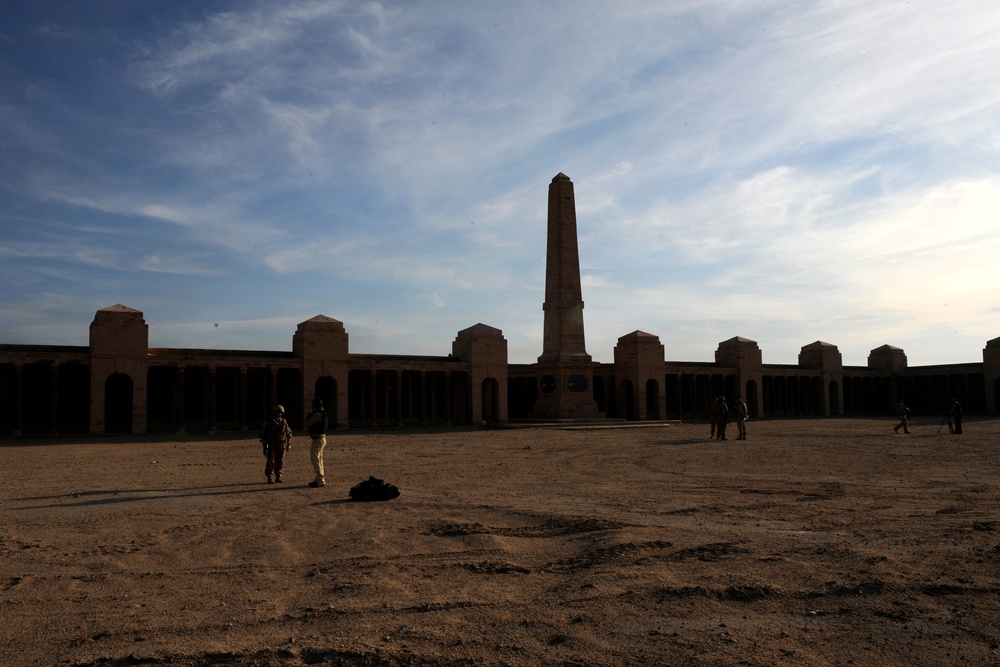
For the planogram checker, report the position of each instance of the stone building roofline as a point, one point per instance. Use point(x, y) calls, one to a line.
point(638, 334)
point(119, 308)
point(323, 319)
point(887, 358)
point(481, 329)
point(322, 323)
point(741, 339)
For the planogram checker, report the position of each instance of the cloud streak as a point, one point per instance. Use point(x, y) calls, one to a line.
point(785, 172)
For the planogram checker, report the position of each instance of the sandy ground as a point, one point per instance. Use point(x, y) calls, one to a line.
point(826, 542)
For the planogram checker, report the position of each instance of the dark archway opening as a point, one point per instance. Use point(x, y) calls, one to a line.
point(652, 399)
point(491, 401)
point(326, 391)
point(118, 404)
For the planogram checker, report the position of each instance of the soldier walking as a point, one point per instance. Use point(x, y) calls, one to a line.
point(904, 421)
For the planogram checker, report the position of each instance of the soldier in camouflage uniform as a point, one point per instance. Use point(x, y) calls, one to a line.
point(904, 419)
point(955, 413)
point(721, 418)
point(742, 414)
point(276, 438)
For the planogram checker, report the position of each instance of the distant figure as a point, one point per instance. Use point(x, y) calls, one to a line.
point(276, 437)
point(721, 418)
point(904, 421)
point(955, 415)
point(742, 414)
point(713, 407)
point(316, 422)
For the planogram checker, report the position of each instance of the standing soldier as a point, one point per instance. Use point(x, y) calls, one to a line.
point(904, 421)
point(742, 414)
point(713, 408)
point(722, 418)
point(955, 414)
point(276, 437)
point(316, 422)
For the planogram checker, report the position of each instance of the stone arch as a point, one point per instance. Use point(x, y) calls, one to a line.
point(599, 394)
point(491, 400)
point(652, 399)
point(36, 396)
point(834, 398)
point(118, 401)
point(732, 389)
point(74, 398)
point(628, 397)
point(751, 398)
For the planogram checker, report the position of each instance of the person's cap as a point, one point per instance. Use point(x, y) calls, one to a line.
point(279, 410)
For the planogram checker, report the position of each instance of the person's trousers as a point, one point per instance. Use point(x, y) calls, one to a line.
point(275, 459)
point(316, 455)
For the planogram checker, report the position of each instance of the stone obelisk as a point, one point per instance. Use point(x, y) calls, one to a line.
point(565, 371)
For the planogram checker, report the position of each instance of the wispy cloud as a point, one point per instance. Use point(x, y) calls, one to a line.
point(782, 171)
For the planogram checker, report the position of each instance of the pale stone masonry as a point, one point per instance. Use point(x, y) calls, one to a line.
point(118, 384)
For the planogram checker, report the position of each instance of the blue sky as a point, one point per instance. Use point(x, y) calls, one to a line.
point(783, 171)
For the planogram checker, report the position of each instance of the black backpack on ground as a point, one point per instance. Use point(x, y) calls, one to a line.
point(373, 489)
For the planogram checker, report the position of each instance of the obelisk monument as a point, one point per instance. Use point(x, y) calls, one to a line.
point(565, 371)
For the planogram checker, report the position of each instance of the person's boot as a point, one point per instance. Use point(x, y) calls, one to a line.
point(269, 480)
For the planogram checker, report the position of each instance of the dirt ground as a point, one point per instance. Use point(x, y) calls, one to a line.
point(821, 542)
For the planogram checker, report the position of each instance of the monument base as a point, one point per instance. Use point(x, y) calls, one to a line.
point(565, 391)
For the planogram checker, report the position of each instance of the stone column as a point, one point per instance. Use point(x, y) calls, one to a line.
point(411, 405)
point(680, 397)
point(431, 397)
point(447, 398)
point(274, 389)
point(212, 422)
point(662, 404)
point(398, 379)
point(373, 397)
point(423, 398)
point(180, 400)
point(18, 396)
point(243, 398)
point(54, 401)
